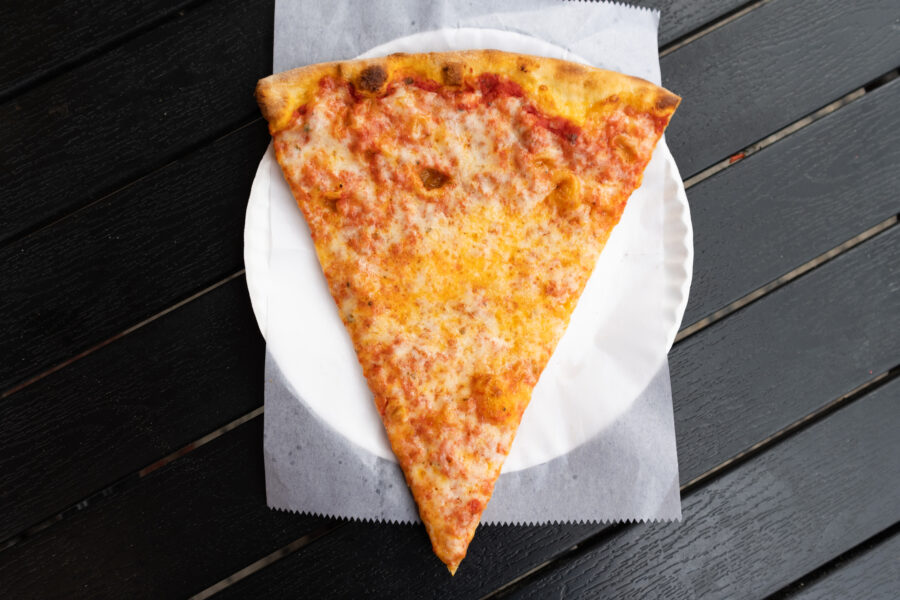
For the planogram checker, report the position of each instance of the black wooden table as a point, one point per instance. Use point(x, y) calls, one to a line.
point(131, 365)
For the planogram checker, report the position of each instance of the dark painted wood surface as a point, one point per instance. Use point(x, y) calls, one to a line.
point(770, 67)
point(126, 257)
point(42, 37)
point(873, 574)
point(719, 412)
point(201, 243)
point(130, 111)
point(179, 529)
point(795, 200)
point(179, 229)
point(130, 403)
point(729, 394)
point(750, 532)
point(133, 113)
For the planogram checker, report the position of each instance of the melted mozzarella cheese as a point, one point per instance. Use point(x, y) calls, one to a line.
point(456, 242)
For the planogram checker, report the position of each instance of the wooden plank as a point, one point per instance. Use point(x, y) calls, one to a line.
point(795, 200)
point(128, 404)
point(728, 402)
point(130, 111)
point(43, 36)
point(751, 531)
point(743, 535)
point(734, 384)
point(782, 357)
point(771, 67)
point(147, 279)
point(873, 575)
point(121, 238)
point(126, 257)
point(154, 243)
point(681, 17)
point(177, 531)
point(169, 75)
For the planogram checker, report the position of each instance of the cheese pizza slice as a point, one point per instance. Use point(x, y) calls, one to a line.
point(458, 203)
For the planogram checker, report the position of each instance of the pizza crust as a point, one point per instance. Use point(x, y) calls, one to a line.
point(456, 232)
point(570, 90)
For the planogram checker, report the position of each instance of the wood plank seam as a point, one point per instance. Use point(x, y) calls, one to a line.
point(725, 19)
point(131, 478)
point(712, 474)
point(809, 579)
point(102, 197)
point(200, 442)
point(785, 279)
point(180, 452)
point(598, 538)
point(266, 561)
point(248, 120)
point(594, 540)
point(119, 335)
point(792, 128)
point(49, 220)
point(685, 332)
point(112, 43)
point(256, 425)
point(756, 295)
point(90, 500)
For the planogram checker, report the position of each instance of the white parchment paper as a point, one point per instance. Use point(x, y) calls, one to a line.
point(627, 470)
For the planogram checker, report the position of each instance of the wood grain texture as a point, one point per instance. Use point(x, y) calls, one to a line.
point(42, 36)
point(873, 575)
point(177, 531)
point(128, 404)
point(785, 355)
point(119, 117)
point(129, 255)
point(795, 200)
point(158, 219)
point(734, 384)
point(198, 524)
point(512, 550)
point(679, 18)
point(126, 257)
point(751, 531)
point(771, 67)
point(192, 78)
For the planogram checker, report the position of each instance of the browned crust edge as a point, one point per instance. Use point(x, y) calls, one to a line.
point(559, 87)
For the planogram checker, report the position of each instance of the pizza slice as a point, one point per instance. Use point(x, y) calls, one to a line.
point(458, 203)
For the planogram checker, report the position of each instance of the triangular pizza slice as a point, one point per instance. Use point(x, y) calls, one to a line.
point(458, 203)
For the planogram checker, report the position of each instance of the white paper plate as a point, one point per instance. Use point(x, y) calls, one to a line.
point(616, 341)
